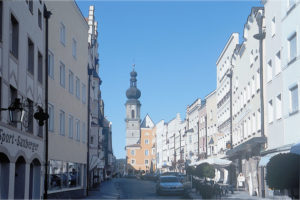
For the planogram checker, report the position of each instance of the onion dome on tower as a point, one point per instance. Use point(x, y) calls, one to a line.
point(133, 92)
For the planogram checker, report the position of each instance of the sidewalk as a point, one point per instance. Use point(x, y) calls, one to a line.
point(106, 190)
point(240, 195)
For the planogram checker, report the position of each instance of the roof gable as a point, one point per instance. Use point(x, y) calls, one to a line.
point(147, 122)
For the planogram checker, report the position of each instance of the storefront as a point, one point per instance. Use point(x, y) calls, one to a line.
point(21, 164)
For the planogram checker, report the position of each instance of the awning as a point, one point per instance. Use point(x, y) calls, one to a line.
point(94, 162)
point(218, 162)
point(246, 145)
point(296, 149)
point(265, 159)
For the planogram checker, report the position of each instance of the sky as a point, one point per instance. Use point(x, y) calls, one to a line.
point(174, 45)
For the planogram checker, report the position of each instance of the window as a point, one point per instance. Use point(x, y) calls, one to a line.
point(258, 120)
point(62, 34)
point(40, 67)
point(83, 133)
point(92, 140)
point(253, 86)
point(132, 161)
point(277, 63)
point(51, 118)
point(77, 87)
point(30, 57)
point(273, 28)
point(40, 19)
point(146, 152)
point(248, 92)
point(132, 152)
point(14, 36)
point(71, 125)
point(77, 130)
point(30, 3)
point(74, 46)
point(257, 80)
point(294, 99)
point(146, 141)
point(83, 93)
point(270, 111)
point(50, 64)
point(146, 162)
point(132, 114)
point(62, 75)
point(30, 117)
point(291, 3)
point(253, 123)
point(269, 71)
point(292, 43)
point(62, 122)
point(278, 107)
point(71, 82)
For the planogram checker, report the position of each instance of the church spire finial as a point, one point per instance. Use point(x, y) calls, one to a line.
point(133, 66)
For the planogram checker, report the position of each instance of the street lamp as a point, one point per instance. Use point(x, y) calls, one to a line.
point(17, 112)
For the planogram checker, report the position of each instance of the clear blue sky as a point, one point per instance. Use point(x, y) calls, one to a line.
point(175, 46)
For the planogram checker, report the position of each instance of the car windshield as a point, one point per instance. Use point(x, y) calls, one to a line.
point(168, 179)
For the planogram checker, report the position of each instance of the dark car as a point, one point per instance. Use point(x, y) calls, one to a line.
point(169, 185)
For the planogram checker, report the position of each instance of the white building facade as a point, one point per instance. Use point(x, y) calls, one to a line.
point(68, 63)
point(22, 71)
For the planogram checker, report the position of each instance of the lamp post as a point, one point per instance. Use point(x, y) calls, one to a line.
point(230, 75)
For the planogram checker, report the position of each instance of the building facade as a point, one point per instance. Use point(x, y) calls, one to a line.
point(68, 63)
point(22, 71)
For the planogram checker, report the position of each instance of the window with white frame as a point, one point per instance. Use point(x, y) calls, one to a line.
point(270, 111)
point(269, 71)
point(146, 162)
point(50, 64)
point(258, 120)
point(62, 34)
point(14, 36)
point(294, 102)
point(146, 141)
point(62, 122)
point(278, 107)
point(146, 152)
point(132, 161)
point(249, 125)
point(292, 43)
point(77, 87)
point(253, 123)
point(74, 48)
point(62, 75)
point(277, 63)
point(83, 133)
point(71, 125)
point(273, 27)
point(253, 86)
point(51, 118)
point(78, 130)
point(132, 152)
point(248, 91)
point(83, 90)
point(71, 82)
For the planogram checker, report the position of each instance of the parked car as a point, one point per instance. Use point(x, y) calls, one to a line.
point(149, 177)
point(169, 185)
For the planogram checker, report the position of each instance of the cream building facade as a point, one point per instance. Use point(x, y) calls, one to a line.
point(22, 74)
point(68, 64)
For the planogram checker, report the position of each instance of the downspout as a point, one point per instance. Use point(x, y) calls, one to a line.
point(47, 15)
point(88, 132)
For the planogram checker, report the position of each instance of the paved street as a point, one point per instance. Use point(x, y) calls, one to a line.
point(128, 189)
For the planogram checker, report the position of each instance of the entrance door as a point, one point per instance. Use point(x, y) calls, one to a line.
point(20, 178)
point(35, 179)
point(4, 176)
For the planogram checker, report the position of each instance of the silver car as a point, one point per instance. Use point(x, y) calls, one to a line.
point(169, 185)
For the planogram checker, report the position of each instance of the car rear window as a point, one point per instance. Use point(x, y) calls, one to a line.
point(168, 179)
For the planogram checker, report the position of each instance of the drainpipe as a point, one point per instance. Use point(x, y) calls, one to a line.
point(205, 136)
point(47, 15)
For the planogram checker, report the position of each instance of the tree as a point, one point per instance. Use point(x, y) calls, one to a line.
point(283, 172)
point(205, 170)
point(190, 170)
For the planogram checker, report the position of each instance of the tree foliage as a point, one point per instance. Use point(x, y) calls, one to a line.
point(205, 170)
point(283, 171)
point(190, 170)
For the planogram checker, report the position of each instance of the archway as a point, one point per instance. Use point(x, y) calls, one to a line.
point(20, 178)
point(35, 179)
point(4, 176)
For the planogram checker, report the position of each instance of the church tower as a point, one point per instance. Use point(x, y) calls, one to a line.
point(133, 107)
